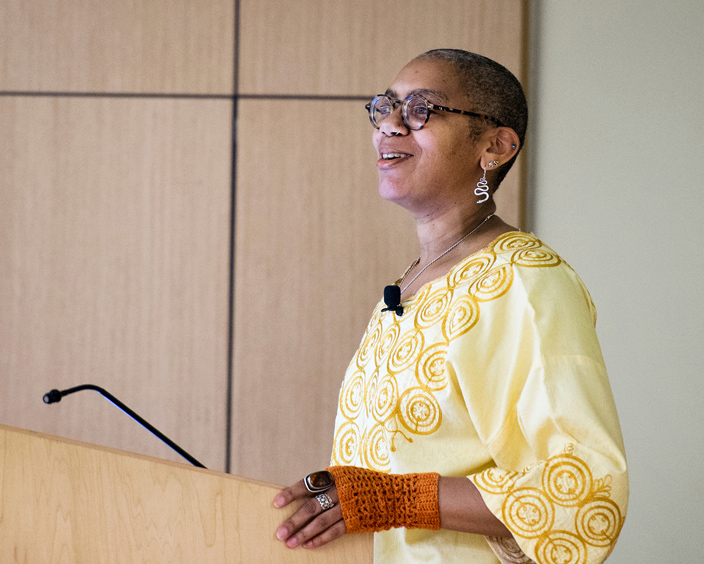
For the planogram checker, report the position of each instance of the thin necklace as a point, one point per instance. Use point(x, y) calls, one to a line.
point(437, 258)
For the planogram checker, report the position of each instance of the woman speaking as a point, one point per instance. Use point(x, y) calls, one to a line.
point(475, 423)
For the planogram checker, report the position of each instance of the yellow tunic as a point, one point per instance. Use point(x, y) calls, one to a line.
point(493, 372)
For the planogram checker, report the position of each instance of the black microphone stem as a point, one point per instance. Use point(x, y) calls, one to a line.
point(55, 395)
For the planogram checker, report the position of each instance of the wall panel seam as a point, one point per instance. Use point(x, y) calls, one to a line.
point(233, 212)
point(58, 94)
point(151, 95)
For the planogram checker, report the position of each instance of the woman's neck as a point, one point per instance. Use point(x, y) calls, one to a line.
point(439, 232)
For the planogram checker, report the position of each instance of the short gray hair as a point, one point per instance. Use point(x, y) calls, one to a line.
point(495, 90)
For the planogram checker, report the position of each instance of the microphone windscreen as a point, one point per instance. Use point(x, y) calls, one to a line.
point(392, 296)
point(52, 397)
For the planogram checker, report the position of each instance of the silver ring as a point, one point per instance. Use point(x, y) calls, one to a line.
point(325, 501)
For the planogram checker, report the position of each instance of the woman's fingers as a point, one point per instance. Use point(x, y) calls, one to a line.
point(310, 520)
point(318, 526)
point(309, 510)
point(332, 533)
point(287, 495)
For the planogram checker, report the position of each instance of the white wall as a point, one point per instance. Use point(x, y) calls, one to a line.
point(617, 182)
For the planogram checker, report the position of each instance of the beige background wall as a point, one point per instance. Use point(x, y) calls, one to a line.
point(115, 218)
point(617, 184)
point(188, 212)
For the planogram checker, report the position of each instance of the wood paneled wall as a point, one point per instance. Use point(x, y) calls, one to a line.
point(117, 181)
point(115, 199)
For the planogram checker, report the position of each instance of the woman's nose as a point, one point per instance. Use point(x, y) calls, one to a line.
point(394, 125)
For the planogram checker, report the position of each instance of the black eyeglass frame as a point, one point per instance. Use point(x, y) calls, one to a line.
point(432, 107)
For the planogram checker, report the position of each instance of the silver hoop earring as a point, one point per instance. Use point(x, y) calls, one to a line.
point(482, 189)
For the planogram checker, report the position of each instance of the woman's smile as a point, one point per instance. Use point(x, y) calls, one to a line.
point(389, 158)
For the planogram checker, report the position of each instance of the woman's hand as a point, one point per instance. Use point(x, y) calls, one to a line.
point(310, 526)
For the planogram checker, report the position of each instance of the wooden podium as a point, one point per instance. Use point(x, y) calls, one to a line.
point(62, 501)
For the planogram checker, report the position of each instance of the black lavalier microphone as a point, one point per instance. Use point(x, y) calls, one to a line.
point(55, 396)
point(392, 299)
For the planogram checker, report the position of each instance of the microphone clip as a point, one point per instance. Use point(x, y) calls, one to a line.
point(392, 299)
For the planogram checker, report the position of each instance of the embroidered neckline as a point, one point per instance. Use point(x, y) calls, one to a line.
point(446, 277)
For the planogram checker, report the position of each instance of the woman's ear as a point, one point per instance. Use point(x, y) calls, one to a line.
point(503, 146)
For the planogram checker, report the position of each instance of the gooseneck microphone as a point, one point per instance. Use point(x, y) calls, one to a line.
point(392, 299)
point(55, 396)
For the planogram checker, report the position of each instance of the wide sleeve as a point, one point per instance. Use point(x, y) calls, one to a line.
point(546, 415)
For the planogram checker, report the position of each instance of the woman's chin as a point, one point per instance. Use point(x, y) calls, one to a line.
point(393, 192)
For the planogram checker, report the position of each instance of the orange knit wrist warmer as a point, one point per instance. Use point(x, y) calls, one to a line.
point(374, 501)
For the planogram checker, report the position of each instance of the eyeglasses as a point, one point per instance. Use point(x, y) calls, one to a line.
point(415, 111)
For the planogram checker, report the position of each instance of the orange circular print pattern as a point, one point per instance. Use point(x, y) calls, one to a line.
point(566, 481)
point(391, 389)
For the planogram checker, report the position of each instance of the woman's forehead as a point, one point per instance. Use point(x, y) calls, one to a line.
point(427, 93)
point(436, 80)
